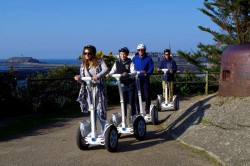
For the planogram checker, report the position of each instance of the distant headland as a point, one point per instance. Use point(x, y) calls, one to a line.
point(22, 60)
point(24, 66)
point(26, 63)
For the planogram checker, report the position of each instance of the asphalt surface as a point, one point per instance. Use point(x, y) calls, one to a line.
point(55, 144)
point(214, 126)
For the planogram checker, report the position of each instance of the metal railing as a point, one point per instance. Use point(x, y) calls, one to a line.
point(205, 80)
point(59, 92)
point(34, 85)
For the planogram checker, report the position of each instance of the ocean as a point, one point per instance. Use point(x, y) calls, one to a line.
point(47, 61)
point(61, 61)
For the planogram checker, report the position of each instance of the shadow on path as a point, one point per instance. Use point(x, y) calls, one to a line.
point(192, 116)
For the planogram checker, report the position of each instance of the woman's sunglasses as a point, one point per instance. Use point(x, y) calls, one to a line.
point(87, 53)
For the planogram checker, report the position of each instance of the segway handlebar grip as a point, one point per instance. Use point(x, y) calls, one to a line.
point(164, 70)
point(117, 76)
point(86, 78)
point(137, 73)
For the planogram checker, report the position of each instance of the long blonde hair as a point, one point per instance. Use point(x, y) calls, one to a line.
point(93, 59)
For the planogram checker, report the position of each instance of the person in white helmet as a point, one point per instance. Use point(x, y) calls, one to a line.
point(144, 64)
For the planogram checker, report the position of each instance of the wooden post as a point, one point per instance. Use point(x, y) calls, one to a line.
point(28, 89)
point(206, 86)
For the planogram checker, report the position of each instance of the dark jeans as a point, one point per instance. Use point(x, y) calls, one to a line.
point(145, 90)
point(129, 98)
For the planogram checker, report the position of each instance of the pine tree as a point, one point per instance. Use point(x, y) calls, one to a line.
point(232, 16)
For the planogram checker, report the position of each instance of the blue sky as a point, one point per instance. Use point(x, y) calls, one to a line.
point(58, 29)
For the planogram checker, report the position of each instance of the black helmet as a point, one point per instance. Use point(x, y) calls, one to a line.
point(124, 49)
point(167, 50)
point(93, 49)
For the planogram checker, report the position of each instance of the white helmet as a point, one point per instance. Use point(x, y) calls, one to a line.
point(141, 46)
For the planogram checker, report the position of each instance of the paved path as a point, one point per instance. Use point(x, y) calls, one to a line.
point(55, 145)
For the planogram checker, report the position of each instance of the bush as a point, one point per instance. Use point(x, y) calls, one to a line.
point(10, 98)
point(57, 90)
point(54, 90)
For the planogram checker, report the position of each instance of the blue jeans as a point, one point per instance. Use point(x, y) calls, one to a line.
point(129, 98)
point(145, 90)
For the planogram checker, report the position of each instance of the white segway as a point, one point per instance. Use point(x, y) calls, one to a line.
point(138, 124)
point(166, 105)
point(87, 132)
point(153, 115)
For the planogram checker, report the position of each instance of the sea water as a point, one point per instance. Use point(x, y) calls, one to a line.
point(22, 81)
point(46, 61)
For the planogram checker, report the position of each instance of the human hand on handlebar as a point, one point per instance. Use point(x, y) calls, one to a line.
point(125, 74)
point(78, 78)
point(143, 72)
point(95, 78)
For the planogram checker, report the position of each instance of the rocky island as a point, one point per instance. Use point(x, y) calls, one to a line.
point(25, 66)
point(22, 60)
point(20, 63)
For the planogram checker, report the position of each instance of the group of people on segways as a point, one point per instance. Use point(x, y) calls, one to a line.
point(131, 76)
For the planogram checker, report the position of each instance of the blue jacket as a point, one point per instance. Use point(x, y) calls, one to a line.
point(145, 63)
point(171, 65)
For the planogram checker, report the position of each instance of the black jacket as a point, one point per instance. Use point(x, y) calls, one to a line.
point(124, 67)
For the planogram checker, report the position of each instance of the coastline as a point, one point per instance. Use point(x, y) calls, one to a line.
point(24, 69)
point(29, 62)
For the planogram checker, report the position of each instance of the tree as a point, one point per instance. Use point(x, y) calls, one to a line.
point(232, 16)
point(109, 59)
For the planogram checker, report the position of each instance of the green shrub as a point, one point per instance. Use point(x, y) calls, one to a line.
point(12, 98)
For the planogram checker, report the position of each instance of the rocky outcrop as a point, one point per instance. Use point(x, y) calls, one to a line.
point(22, 60)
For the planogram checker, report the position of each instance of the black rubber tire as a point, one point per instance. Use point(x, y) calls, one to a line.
point(176, 104)
point(139, 128)
point(80, 142)
point(154, 116)
point(158, 105)
point(111, 122)
point(111, 139)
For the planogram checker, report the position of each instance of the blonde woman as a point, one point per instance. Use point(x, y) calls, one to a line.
point(95, 68)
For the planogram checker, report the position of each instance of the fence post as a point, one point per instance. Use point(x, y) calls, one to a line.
point(206, 86)
point(28, 89)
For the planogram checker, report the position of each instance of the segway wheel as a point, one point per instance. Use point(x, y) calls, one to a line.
point(139, 128)
point(158, 102)
point(176, 103)
point(154, 115)
point(80, 142)
point(111, 139)
point(157, 105)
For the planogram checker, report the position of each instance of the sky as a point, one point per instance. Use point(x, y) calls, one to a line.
point(59, 29)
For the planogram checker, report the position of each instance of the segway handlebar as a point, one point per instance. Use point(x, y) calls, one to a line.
point(164, 70)
point(137, 74)
point(117, 76)
point(86, 79)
